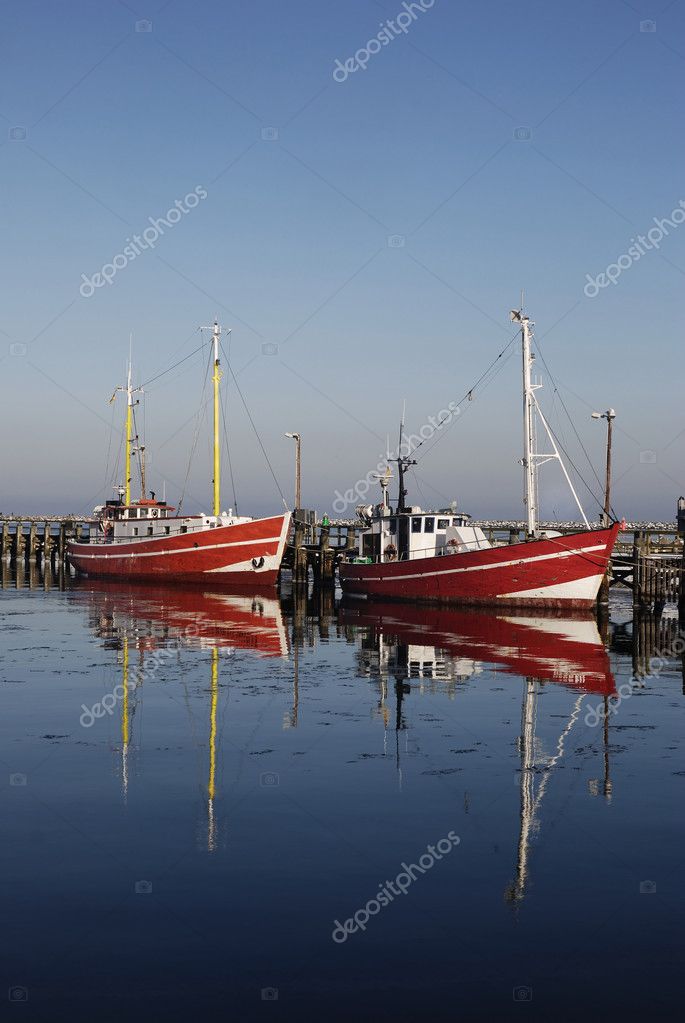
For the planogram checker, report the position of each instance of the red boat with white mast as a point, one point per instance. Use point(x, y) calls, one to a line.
point(144, 540)
point(411, 554)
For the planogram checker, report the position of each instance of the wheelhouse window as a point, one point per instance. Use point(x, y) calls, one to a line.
point(150, 530)
point(167, 530)
point(429, 524)
point(184, 529)
point(416, 525)
point(135, 531)
point(443, 523)
point(392, 526)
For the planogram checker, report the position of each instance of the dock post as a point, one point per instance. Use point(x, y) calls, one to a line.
point(62, 542)
point(681, 581)
point(638, 566)
point(299, 555)
point(326, 565)
point(6, 542)
point(33, 542)
point(48, 544)
point(19, 544)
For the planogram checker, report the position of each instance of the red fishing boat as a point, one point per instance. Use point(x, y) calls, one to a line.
point(415, 555)
point(144, 539)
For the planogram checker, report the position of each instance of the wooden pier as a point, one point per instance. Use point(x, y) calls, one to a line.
point(30, 539)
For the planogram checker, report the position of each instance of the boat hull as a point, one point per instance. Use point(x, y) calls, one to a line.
point(245, 554)
point(559, 572)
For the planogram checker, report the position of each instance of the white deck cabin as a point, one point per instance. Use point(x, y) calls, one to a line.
point(415, 534)
point(149, 519)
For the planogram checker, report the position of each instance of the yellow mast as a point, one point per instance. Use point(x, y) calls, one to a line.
point(217, 453)
point(124, 721)
point(129, 389)
point(129, 432)
point(211, 784)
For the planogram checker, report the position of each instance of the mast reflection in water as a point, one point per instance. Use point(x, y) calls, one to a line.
point(149, 618)
point(431, 647)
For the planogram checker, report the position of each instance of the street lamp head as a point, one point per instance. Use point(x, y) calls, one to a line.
point(611, 414)
point(596, 415)
point(293, 436)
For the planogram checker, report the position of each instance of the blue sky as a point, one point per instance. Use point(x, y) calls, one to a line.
point(365, 241)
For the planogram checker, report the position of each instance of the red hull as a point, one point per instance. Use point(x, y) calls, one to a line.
point(549, 648)
point(561, 572)
point(245, 554)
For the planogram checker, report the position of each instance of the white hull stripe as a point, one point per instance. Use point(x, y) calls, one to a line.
point(555, 556)
point(578, 589)
point(110, 556)
point(271, 562)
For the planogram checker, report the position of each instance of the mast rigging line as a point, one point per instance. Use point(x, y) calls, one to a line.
point(199, 414)
point(228, 449)
point(175, 365)
point(577, 435)
point(137, 439)
point(467, 397)
point(252, 424)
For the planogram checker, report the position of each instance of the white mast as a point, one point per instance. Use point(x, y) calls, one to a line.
point(532, 459)
point(530, 476)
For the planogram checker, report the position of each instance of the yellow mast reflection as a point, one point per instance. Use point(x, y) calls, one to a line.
point(211, 784)
point(124, 721)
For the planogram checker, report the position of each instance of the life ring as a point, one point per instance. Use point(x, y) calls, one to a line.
point(154, 512)
point(257, 563)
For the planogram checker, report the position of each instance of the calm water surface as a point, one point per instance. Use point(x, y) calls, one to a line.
point(198, 786)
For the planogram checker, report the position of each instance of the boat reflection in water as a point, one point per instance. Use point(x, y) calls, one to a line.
point(440, 649)
point(134, 617)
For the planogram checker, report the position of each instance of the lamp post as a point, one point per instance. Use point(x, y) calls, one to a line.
point(609, 415)
point(298, 469)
